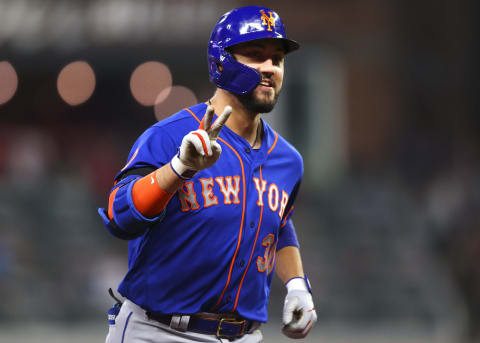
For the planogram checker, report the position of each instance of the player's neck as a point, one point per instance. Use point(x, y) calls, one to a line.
point(243, 122)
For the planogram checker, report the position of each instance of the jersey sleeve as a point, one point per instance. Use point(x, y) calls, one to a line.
point(153, 149)
point(287, 235)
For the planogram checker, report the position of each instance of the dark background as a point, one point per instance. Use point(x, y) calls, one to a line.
point(380, 101)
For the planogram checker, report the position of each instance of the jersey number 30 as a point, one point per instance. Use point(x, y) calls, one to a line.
point(267, 262)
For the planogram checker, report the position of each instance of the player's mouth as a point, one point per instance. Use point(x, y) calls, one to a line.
point(266, 84)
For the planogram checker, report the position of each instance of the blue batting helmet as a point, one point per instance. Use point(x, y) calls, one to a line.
point(241, 25)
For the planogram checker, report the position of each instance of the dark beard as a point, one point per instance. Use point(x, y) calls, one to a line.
point(254, 105)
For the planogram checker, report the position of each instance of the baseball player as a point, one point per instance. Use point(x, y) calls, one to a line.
point(206, 199)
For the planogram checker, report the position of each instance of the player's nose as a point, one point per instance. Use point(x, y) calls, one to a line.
point(267, 67)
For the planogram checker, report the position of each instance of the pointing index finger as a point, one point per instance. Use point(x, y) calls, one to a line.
point(217, 126)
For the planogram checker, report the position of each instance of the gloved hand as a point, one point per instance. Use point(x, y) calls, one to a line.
point(299, 314)
point(199, 148)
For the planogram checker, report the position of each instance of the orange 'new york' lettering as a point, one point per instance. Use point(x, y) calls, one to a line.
point(188, 197)
point(229, 189)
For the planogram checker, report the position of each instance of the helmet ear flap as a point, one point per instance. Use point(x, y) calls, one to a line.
point(214, 68)
point(214, 65)
point(231, 75)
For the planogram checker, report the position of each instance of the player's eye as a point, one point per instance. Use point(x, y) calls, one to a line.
point(277, 59)
point(254, 54)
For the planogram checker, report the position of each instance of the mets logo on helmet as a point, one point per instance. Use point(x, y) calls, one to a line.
point(269, 21)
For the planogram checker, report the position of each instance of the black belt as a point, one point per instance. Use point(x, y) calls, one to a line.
point(226, 327)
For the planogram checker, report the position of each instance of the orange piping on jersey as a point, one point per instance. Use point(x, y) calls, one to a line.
point(253, 250)
point(243, 214)
point(241, 223)
point(194, 116)
point(274, 142)
point(131, 159)
point(110, 203)
point(285, 219)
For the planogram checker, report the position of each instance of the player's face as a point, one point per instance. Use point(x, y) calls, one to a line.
point(267, 57)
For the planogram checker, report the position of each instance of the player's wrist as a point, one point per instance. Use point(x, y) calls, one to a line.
point(298, 283)
point(183, 171)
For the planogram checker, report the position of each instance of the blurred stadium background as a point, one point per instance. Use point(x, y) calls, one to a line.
point(380, 101)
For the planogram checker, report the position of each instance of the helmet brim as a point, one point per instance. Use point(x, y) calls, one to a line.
point(289, 44)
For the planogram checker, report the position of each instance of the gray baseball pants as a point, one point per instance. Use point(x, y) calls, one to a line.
point(133, 326)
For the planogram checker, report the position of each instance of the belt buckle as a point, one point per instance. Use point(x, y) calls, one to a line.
point(230, 321)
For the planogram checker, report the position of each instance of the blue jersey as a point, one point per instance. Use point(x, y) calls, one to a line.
point(213, 250)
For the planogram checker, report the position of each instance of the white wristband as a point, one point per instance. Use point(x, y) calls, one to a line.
point(183, 171)
point(297, 283)
point(178, 165)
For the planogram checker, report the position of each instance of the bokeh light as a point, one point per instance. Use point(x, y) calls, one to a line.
point(172, 100)
point(76, 83)
point(149, 80)
point(8, 81)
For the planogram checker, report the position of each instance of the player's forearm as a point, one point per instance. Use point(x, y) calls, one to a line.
point(167, 179)
point(299, 313)
point(136, 202)
point(289, 263)
point(152, 193)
